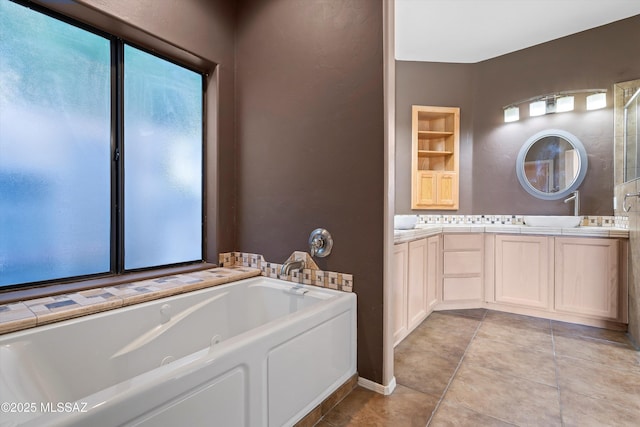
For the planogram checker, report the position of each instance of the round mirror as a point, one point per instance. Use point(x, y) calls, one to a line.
point(551, 164)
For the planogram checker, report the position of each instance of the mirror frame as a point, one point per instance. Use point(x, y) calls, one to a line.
point(582, 171)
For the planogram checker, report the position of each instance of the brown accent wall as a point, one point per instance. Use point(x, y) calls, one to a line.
point(311, 142)
point(596, 58)
point(304, 145)
point(200, 33)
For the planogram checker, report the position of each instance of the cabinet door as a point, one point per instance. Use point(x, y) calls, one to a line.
point(426, 189)
point(447, 189)
point(399, 294)
point(417, 283)
point(522, 275)
point(456, 289)
point(436, 189)
point(433, 272)
point(587, 276)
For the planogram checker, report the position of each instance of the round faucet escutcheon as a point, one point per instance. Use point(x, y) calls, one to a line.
point(320, 243)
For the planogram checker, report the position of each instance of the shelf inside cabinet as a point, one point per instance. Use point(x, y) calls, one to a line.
point(427, 134)
point(434, 153)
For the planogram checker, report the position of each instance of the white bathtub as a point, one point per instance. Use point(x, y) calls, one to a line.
point(248, 353)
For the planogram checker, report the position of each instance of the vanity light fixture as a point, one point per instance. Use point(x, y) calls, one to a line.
point(511, 114)
point(564, 104)
point(596, 101)
point(538, 108)
point(559, 102)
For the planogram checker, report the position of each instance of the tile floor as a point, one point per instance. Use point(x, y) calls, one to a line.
point(487, 368)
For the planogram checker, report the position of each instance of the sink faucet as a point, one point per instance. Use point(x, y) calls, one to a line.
point(575, 196)
point(291, 265)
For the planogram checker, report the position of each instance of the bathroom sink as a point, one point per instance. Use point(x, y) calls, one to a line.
point(552, 221)
point(404, 222)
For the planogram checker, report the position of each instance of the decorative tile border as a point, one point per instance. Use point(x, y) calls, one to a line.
point(588, 221)
point(41, 311)
point(62, 307)
point(621, 221)
point(471, 219)
point(231, 259)
point(15, 316)
point(309, 276)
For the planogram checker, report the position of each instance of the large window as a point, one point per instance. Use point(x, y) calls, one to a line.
point(100, 153)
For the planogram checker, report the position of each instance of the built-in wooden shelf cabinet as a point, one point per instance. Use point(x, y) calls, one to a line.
point(435, 157)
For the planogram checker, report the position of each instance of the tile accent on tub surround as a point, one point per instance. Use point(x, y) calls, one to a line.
point(62, 307)
point(41, 311)
point(15, 316)
point(241, 259)
point(309, 276)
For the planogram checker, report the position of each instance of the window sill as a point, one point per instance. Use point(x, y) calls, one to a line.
point(15, 295)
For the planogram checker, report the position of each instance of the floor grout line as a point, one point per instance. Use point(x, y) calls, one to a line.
point(455, 372)
point(555, 363)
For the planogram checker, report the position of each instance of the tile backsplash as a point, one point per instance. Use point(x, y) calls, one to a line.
point(309, 276)
point(588, 221)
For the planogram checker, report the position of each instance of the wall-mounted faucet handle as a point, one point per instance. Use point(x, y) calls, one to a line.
point(320, 243)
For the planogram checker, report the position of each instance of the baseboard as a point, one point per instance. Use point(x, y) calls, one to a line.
point(378, 388)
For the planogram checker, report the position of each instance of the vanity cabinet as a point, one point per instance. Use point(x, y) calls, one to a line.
point(586, 277)
point(462, 268)
point(575, 279)
point(415, 284)
point(435, 135)
point(523, 271)
point(399, 294)
point(433, 273)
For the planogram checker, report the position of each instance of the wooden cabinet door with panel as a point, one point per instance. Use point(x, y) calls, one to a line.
point(417, 283)
point(522, 274)
point(586, 276)
point(425, 188)
point(447, 189)
point(433, 272)
point(399, 294)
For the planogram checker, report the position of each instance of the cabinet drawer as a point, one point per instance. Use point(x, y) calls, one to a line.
point(462, 263)
point(454, 242)
point(462, 288)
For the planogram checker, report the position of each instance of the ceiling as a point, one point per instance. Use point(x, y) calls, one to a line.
point(468, 31)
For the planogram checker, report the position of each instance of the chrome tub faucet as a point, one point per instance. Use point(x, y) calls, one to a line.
point(288, 266)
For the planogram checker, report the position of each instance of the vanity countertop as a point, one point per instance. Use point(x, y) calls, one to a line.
point(426, 230)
